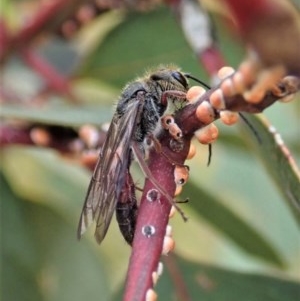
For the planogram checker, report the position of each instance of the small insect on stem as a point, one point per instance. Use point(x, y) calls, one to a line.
point(138, 112)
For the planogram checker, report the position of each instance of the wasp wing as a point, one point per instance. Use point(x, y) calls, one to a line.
point(110, 172)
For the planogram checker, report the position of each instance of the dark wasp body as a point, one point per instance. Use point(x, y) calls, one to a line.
point(139, 109)
point(126, 209)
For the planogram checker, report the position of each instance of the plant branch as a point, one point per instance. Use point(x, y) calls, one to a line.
point(146, 250)
point(54, 79)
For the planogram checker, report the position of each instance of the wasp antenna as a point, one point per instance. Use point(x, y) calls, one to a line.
point(251, 127)
point(209, 154)
point(197, 80)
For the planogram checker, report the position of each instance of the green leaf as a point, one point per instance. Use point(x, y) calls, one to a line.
point(183, 279)
point(230, 224)
point(44, 178)
point(142, 44)
point(278, 161)
point(42, 259)
point(204, 282)
point(62, 114)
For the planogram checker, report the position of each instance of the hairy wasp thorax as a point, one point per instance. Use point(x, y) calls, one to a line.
point(149, 91)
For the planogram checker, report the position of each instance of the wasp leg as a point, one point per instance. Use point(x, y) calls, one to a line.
point(182, 201)
point(159, 150)
point(147, 172)
point(173, 94)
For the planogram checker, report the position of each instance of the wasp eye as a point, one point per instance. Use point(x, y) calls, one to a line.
point(156, 77)
point(180, 78)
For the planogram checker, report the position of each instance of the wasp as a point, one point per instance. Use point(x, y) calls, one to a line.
point(138, 111)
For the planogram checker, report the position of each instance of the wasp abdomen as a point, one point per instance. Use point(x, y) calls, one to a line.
point(126, 209)
point(126, 214)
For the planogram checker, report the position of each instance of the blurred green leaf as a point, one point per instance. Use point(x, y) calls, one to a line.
point(279, 162)
point(43, 177)
point(142, 44)
point(205, 282)
point(62, 114)
point(48, 181)
point(94, 32)
point(19, 256)
point(230, 224)
point(186, 280)
point(42, 259)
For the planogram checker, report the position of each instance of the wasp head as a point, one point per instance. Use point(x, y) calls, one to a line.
point(169, 79)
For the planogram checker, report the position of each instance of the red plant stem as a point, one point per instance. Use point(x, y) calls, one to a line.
point(60, 139)
point(54, 79)
point(247, 12)
point(10, 135)
point(176, 275)
point(212, 60)
point(47, 17)
point(187, 120)
point(146, 250)
point(4, 36)
point(47, 11)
